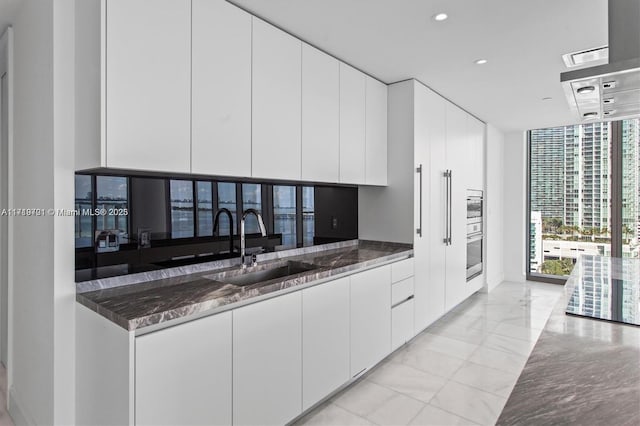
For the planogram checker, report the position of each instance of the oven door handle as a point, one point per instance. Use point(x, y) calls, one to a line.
point(474, 237)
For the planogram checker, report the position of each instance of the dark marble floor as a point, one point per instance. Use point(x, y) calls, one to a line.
point(581, 371)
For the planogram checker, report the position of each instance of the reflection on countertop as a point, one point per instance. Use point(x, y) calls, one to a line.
point(606, 288)
point(581, 371)
point(160, 296)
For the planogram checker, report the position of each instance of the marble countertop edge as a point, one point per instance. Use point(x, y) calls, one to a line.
point(233, 297)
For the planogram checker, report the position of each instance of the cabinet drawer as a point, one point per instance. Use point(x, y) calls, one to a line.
point(401, 291)
point(401, 270)
point(401, 324)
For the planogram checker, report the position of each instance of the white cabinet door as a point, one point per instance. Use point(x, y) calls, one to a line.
point(457, 161)
point(352, 125)
point(325, 347)
point(148, 72)
point(320, 116)
point(221, 89)
point(476, 129)
point(183, 374)
point(267, 361)
point(277, 92)
point(370, 318)
point(429, 249)
point(376, 132)
point(402, 319)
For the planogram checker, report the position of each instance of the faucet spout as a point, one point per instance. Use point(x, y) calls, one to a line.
point(216, 221)
point(263, 231)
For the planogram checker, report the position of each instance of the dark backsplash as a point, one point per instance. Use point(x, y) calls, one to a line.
point(330, 214)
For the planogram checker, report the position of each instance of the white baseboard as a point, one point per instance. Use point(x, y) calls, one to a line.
point(520, 278)
point(16, 410)
point(494, 281)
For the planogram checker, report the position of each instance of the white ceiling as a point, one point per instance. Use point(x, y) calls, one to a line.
point(8, 10)
point(393, 40)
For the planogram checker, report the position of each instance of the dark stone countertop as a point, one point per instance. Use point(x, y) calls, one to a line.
point(582, 371)
point(157, 301)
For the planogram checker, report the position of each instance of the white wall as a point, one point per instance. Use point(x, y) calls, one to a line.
point(494, 199)
point(41, 365)
point(514, 206)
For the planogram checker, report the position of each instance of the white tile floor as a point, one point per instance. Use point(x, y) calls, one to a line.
point(460, 371)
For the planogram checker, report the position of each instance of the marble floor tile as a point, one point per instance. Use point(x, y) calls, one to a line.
point(407, 380)
point(445, 345)
point(398, 410)
point(426, 360)
point(508, 344)
point(363, 398)
point(433, 416)
point(509, 362)
point(493, 313)
point(485, 378)
point(332, 415)
point(470, 403)
point(476, 322)
point(526, 321)
point(459, 371)
point(458, 332)
point(517, 332)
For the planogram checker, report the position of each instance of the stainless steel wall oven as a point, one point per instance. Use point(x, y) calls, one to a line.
point(475, 233)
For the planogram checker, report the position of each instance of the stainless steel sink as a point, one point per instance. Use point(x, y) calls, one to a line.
point(265, 273)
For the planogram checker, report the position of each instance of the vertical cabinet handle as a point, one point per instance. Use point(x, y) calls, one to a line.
point(445, 240)
point(419, 229)
point(450, 197)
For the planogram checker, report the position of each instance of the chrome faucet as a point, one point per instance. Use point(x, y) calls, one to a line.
point(263, 231)
point(216, 220)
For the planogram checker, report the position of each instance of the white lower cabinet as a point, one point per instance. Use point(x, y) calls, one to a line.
point(259, 364)
point(183, 374)
point(267, 361)
point(402, 303)
point(370, 318)
point(401, 323)
point(325, 343)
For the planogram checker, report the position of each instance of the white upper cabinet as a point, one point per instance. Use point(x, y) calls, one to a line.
point(148, 80)
point(376, 132)
point(221, 89)
point(352, 125)
point(320, 116)
point(277, 95)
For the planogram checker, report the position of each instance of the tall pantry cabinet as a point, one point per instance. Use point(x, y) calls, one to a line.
point(436, 154)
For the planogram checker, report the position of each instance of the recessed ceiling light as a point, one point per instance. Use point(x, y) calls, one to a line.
point(440, 17)
point(547, 98)
point(590, 114)
point(586, 89)
point(480, 61)
point(611, 111)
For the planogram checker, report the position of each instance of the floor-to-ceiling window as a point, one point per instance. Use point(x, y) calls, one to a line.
point(584, 194)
